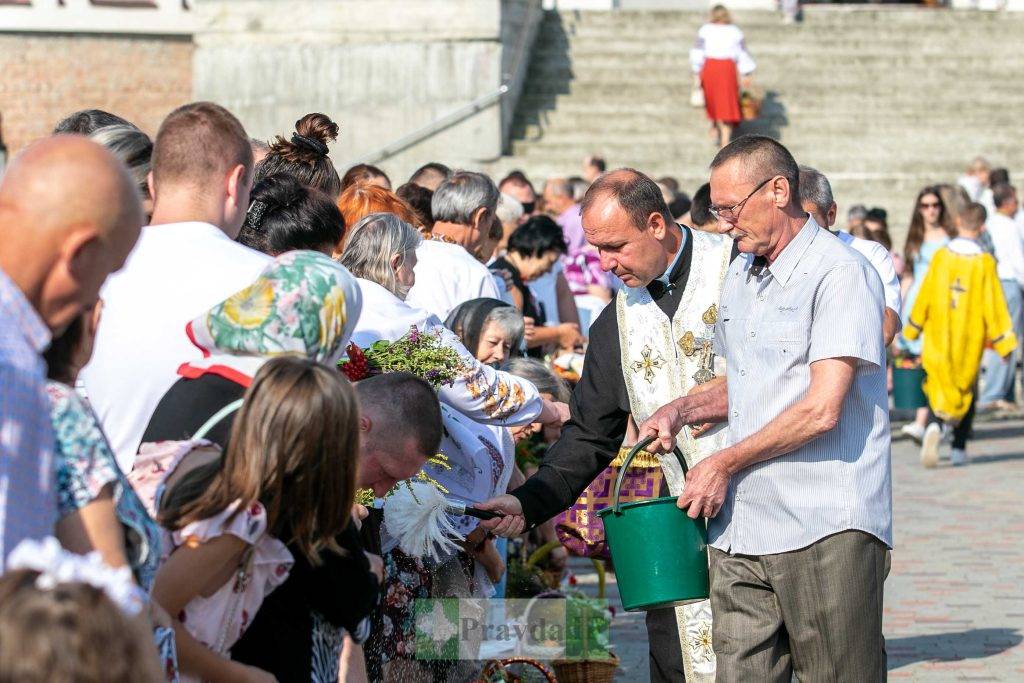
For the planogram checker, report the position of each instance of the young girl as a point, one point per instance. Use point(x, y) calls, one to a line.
point(287, 478)
point(67, 617)
point(97, 508)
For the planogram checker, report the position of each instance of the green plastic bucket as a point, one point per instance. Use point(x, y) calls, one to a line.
point(908, 388)
point(660, 554)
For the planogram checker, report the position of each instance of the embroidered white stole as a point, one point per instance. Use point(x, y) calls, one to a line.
point(664, 359)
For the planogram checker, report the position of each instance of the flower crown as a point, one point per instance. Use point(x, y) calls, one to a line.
point(56, 566)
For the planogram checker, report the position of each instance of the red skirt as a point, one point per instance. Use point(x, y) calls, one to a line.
point(721, 90)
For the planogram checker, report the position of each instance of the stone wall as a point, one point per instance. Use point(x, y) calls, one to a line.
point(380, 69)
point(851, 91)
point(45, 76)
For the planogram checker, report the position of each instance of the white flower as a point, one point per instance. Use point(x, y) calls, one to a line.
point(56, 566)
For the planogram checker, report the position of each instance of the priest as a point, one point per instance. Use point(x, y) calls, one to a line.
point(654, 344)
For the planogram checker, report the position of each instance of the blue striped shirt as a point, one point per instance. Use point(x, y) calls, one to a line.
point(819, 299)
point(28, 500)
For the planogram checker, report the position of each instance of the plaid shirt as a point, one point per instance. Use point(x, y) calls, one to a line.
point(28, 503)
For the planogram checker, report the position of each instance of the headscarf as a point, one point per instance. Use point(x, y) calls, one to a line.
point(468, 319)
point(303, 303)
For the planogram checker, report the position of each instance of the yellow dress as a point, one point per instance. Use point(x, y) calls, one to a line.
point(960, 307)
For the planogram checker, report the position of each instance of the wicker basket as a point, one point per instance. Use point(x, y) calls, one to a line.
point(586, 670)
point(495, 670)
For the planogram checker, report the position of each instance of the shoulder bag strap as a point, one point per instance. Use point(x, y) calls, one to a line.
point(217, 417)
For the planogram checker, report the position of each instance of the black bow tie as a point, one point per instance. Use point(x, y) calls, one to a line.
point(658, 289)
point(758, 266)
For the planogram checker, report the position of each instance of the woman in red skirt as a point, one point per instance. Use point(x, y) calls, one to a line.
point(716, 58)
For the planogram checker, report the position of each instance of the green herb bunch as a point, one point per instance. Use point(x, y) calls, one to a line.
point(420, 353)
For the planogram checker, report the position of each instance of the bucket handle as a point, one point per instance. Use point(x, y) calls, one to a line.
point(629, 458)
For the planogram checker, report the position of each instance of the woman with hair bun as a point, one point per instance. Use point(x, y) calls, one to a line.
point(304, 155)
point(285, 215)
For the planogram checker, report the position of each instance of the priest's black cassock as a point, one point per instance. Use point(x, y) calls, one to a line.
point(591, 439)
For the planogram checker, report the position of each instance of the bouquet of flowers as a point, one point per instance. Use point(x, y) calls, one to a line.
point(420, 353)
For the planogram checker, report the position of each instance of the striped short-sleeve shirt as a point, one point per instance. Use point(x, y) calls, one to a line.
point(819, 299)
point(28, 501)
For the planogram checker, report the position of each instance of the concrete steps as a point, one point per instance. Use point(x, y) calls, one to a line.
point(884, 100)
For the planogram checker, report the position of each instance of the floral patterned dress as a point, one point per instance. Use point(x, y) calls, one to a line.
point(406, 580)
point(219, 620)
point(85, 465)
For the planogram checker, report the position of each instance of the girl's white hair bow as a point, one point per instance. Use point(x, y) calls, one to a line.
point(56, 566)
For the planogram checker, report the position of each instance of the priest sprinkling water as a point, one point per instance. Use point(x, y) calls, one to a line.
point(799, 501)
point(653, 344)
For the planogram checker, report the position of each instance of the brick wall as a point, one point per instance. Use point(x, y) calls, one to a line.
point(43, 77)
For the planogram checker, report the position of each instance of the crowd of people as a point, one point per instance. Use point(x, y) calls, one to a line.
point(970, 360)
point(193, 460)
point(175, 426)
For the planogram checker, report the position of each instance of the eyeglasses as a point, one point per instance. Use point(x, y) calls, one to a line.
point(732, 213)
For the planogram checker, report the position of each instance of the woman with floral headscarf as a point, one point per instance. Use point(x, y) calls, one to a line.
point(304, 304)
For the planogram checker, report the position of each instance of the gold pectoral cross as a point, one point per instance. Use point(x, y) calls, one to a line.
point(648, 364)
point(692, 344)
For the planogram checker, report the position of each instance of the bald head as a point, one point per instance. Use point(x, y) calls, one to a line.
point(635, 192)
point(69, 215)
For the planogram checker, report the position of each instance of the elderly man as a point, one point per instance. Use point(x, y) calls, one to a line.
point(644, 347)
point(800, 501)
point(559, 202)
point(593, 167)
point(817, 200)
point(59, 247)
point(447, 273)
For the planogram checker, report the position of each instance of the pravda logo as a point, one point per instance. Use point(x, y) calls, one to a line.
point(437, 629)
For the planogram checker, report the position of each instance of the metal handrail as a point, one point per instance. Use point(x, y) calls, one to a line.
point(462, 113)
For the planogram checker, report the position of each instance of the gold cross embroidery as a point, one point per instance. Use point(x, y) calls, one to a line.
point(957, 289)
point(648, 364)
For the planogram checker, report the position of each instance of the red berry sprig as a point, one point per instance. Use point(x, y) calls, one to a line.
point(357, 367)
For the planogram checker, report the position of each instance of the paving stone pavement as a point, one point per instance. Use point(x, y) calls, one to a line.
point(954, 600)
